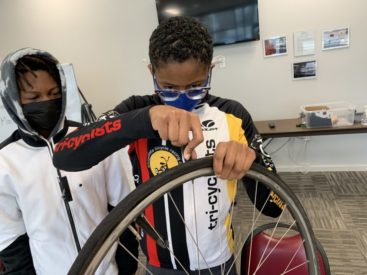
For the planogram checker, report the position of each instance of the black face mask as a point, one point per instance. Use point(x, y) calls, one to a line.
point(43, 115)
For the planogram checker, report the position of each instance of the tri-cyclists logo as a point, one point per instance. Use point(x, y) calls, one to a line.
point(208, 125)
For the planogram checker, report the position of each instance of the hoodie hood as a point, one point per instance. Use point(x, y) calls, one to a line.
point(9, 92)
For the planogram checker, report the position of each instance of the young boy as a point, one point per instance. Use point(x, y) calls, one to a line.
point(181, 52)
point(47, 214)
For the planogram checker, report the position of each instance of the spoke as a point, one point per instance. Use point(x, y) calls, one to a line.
point(168, 228)
point(188, 230)
point(252, 227)
point(271, 237)
point(267, 256)
point(132, 210)
point(244, 240)
point(294, 255)
point(135, 258)
point(166, 246)
point(298, 266)
point(196, 231)
point(223, 267)
point(136, 234)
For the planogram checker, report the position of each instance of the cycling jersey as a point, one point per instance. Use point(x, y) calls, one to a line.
point(227, 106)
point(204, 206)
point(204, 203)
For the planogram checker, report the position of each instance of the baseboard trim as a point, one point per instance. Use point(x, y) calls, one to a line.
point(320, 168)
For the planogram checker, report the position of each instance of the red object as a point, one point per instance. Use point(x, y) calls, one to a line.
point(149, 213)
point(279, 259)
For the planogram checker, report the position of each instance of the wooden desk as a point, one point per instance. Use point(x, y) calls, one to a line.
point(288, 128)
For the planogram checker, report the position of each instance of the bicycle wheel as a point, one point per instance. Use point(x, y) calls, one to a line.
point(132, 207)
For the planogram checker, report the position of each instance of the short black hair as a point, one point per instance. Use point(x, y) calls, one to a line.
point(31, 63)
point(178, 39)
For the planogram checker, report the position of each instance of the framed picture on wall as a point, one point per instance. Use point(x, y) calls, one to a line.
point(304, 43)
point(334, 39)
point(304, 70)
point(275, 46)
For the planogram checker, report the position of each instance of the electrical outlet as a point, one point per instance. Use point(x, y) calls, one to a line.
point(219, 61)
point(222, 62)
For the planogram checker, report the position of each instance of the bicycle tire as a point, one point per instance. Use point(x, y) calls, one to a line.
point(108, 231)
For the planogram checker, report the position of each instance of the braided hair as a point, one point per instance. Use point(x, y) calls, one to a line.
point(31, 63)
point(178, 39)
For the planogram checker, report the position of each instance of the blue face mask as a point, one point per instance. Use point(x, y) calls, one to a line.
point(187, 99)
point(183, 102)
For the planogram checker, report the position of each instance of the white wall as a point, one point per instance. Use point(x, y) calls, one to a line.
point(105, 40)
point(108, 40)
point(341, 73)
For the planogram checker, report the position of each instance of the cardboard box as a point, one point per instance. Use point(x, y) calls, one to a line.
point(331, 114)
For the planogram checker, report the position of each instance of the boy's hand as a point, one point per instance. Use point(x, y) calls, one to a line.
point(175, 125)
point(232, 160)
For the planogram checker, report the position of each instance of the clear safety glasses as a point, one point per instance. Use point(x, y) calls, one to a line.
point(194, 93)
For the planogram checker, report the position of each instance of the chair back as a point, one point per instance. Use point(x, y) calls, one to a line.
point(279, 254)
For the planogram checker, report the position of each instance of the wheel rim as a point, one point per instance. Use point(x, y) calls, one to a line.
point(127, 211)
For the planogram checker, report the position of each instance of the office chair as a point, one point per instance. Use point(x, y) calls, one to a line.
point(278, 260)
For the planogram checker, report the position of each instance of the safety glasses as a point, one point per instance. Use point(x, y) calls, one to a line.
point(195, 93)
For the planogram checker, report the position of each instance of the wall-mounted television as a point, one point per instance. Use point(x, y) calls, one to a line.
point(229, 21)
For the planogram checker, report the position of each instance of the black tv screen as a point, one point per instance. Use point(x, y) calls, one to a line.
point(229, 21)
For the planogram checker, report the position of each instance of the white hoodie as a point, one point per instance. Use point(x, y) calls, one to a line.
point(30, 196)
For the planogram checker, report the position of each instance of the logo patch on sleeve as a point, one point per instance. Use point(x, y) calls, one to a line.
point(161, 159)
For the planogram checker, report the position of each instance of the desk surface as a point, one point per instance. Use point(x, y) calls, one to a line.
point(288, 128)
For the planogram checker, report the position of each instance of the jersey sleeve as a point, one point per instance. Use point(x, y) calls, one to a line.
point(90, 144)
point(136, 102)
point(118, 177)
